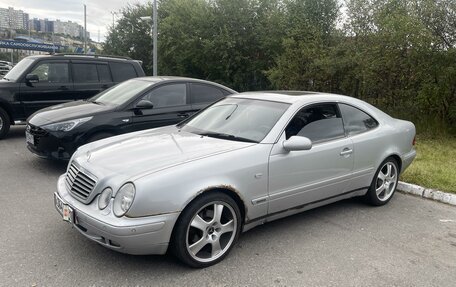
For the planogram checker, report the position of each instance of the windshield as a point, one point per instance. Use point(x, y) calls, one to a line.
point(237, 119)
point(122, 93)
point(16, 71)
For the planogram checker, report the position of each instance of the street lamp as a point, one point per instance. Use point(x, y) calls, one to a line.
point(154, 36)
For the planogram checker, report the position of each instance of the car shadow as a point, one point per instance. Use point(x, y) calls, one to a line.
point(16, 131)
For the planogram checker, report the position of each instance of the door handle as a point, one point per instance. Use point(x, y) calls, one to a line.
point(63, 88)
point(183, 115)
point(346, 151)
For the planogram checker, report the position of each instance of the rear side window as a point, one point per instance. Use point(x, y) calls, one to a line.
point(318, 123)
point(104, 74)
point(168, 96)
point(85, 73)
point(355, 120)
point(122, 71)
point(202, 93)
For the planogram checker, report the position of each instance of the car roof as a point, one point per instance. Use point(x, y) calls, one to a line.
point(176, 78)
point(301, 98)
point(292, 97)
point(81, 57)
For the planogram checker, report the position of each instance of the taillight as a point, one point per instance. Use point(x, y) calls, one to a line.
point(414, 140)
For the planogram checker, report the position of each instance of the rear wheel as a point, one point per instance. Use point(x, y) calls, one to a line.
point(207, 230)
point(384, 183)
point(5, 123)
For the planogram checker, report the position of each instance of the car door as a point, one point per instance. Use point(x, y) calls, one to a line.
point(307, 176)
point(170, 106)
point(90, 78)
point(54, 86)
point(202, 95)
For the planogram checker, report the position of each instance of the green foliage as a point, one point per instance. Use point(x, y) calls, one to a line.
point(397, 54)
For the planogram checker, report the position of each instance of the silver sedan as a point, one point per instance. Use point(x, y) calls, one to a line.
point(245, 160)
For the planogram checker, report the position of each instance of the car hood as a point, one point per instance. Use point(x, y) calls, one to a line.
point(136, 154)
point(66, 111)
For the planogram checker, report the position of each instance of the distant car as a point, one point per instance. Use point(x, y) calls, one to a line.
point(243, 161)
point(5, 67)
point(41, 81)
point(137, 104)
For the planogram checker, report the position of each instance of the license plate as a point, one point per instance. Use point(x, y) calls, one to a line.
point(64, 209)
point(29, 138)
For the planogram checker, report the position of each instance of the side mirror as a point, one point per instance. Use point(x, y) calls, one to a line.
point(297, 143)
point(144, 104)
point(32, 78)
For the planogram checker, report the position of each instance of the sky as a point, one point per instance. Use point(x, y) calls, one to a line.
point(99, 15)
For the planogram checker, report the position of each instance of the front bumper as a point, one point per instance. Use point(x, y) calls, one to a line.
point(51, 145)
point(144, 235)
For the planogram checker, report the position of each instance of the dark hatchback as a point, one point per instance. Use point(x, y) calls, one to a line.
point(137, 104)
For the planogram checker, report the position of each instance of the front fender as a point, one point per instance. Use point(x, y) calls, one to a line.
point(244, 172)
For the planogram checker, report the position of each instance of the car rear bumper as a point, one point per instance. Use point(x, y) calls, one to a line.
point(407, 159)
point(145, 235)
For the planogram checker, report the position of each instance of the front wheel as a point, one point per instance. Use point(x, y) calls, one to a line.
point(207, 230)
point(384, 183)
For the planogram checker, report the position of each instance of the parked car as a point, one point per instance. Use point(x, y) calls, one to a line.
point(243, 161)
point(5, 67)
point(137, 104)
point(41, 81)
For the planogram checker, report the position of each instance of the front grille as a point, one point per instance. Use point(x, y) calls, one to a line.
point(79, 183)
point(37, 133)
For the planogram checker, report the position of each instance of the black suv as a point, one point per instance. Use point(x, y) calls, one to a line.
point(41, 81)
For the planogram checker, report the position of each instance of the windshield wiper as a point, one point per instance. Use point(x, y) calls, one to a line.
point(227, 136)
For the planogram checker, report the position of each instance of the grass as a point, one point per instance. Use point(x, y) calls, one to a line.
point(435, 164)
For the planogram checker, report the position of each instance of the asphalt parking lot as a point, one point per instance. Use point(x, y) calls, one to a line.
point(409, 242)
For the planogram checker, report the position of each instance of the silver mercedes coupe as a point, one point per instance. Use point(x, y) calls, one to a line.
point(245, 160)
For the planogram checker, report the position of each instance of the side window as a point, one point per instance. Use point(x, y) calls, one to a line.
point(85, 73)
point(104, 74)
point(355, 120)
point(52, 72)
point(122, 71)
point(168, 96)
point(318, 123)
point(205, 94)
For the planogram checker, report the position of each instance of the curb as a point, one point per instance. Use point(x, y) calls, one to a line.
point(428, 193)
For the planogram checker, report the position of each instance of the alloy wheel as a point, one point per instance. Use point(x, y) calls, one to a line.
point(211, 231)
point(386, 181)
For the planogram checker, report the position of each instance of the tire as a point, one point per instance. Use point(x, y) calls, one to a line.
point(199, 238)
point(99, 136)
point(384, 183)
point(5, 123)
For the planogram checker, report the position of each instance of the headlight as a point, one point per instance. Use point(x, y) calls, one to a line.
point(104, 198)
point(124, 199)
point(66, 126)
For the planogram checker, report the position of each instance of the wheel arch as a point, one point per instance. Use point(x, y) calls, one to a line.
point(398, 160)
point(226, 189)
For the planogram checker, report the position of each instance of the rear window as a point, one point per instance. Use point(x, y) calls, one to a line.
point(205, 94)
point(122, 71)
